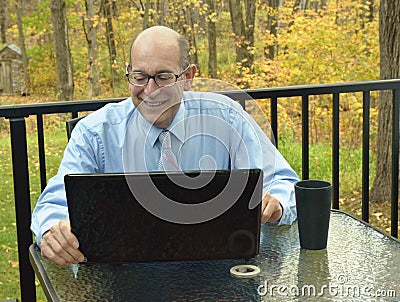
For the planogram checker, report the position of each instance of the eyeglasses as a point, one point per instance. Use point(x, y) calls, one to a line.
point(162, 79)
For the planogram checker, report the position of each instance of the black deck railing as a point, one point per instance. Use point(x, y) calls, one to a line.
point(17, 114)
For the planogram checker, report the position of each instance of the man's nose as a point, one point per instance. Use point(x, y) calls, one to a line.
point(151, 87)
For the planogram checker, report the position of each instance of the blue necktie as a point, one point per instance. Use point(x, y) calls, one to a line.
point(168, 160)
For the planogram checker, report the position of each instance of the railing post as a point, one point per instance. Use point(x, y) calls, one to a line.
point(335, 151)
point(305, 137)
point(365, 156)
point(22, 206)
point(395, 164)
point(42, 155)
point(274, 119)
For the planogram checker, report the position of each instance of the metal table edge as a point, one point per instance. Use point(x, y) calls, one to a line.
point(387, 235)
point(41, 274)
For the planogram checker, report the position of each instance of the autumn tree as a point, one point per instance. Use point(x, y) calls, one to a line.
point(146, 8)
point(301, 5)
point(187, 24)
point(20, 11)
point(243, 20)
point(389, 34)
point(90, 24)
point(271, 27)
point(367, 11)
point(65, 82)
point(3, 20)
point(212, 40)
point(107, 9)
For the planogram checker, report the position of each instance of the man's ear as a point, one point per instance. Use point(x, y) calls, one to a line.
point(127, 68)
point(189, 76)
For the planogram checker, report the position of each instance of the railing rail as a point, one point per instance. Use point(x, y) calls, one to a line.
point(17, 114)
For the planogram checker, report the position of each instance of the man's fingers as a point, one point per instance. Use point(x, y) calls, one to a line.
point(50, 250)
point(65, 229)
point(69, 241)
point(266, 215)
point(271, 208)
point(60, 245)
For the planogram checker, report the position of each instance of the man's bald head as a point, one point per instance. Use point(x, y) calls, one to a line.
point(159, 32)
point(164, 35)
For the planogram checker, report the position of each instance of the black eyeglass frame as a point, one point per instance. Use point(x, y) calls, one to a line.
point(177, 76)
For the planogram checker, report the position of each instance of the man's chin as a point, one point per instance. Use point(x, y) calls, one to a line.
point(162, 123)
point(159, 121)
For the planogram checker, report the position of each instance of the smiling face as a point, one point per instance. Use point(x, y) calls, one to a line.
point(157, 50)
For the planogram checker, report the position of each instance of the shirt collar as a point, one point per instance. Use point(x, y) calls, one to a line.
point(176, 127)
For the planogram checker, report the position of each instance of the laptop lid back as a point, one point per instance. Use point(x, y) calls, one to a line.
point(169, 216)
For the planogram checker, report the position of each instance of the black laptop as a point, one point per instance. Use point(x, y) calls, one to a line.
point(191, 215)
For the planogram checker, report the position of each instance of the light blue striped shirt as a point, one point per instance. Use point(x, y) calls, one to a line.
point(210, 131)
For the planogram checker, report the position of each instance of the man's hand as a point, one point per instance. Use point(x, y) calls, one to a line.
point(271, 208)
point(60, 245)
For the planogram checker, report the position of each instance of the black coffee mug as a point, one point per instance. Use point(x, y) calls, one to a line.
point(313, 204)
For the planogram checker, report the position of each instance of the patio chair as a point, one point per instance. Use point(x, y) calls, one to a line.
point(70, 124)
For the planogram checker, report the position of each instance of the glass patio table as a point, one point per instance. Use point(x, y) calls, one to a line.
point(360, 263)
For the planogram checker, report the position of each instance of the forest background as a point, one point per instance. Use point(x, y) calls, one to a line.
point(250, 44)
point(284, 42)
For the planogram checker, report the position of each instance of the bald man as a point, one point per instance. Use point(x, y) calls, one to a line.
point(207, 131)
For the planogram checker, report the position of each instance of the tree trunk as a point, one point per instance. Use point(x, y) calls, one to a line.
point(112, 50)
point(212, 40)
point(90, 28)
point(190, 33)
point(184, 24)
point(27, 80)
point(272, 26)
point(162, 11)
point(249, 30)
point(370, 9)
point(367, 12)
point(238, 27)
point(243, 29)
point(3, 20)
point(65, 83)
point(146, 15)
point(300, 5)
point(389, 34)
